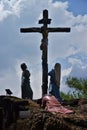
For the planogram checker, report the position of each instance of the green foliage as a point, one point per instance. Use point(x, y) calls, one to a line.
point(79, 85)
point(67, 96)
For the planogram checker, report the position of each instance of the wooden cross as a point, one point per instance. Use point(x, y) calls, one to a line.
point(44, 30)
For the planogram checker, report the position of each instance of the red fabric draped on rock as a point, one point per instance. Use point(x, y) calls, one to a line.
point(53, 105)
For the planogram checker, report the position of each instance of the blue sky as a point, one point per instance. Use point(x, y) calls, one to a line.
point(70, 49)
point(77, 6)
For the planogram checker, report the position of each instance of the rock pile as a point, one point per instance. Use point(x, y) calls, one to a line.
point(18, 114)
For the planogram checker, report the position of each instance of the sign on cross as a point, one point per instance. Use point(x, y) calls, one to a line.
point(44, 30)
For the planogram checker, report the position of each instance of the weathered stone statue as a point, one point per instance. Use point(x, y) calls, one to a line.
point(25, 83)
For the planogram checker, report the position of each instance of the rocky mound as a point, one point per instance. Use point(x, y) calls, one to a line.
point(19, 114)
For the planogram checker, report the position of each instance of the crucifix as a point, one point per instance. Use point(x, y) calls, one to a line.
point(44, 30)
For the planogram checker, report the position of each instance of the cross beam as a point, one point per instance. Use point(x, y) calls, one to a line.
point(39, 30)
point(44, 30)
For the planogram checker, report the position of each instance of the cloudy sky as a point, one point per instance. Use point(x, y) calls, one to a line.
point(70, 49)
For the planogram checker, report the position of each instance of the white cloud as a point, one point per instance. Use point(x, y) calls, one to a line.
point(75, 61)
point(79, 71)
point(12, 7)
point(66, 72)
point(3, 13)
point(16, 7)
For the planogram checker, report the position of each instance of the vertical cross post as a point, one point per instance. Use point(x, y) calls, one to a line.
point(44, 47)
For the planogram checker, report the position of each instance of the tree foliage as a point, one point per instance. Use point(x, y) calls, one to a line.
point(79, 85)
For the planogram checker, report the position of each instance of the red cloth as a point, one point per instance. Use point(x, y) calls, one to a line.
point(53, 105)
